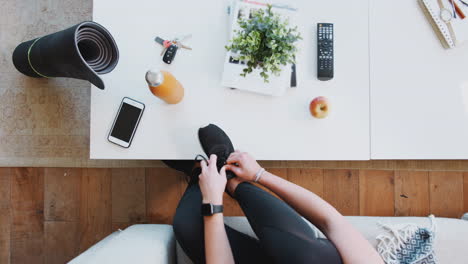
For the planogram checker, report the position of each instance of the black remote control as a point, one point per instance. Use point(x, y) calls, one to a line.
point(324, 51)
point(170, 53)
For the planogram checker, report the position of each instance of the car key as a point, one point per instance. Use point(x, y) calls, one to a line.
point(170, 53)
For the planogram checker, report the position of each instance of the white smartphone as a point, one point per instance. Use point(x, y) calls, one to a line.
point(126, 122)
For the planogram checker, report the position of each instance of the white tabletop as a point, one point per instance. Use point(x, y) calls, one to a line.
point(419, 91)
point(271, 128)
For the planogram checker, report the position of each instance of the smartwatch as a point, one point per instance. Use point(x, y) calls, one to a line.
point(208, 209)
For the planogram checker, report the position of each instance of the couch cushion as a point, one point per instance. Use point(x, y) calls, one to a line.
point(91, 253)
point(142, 244)
point(450, 244)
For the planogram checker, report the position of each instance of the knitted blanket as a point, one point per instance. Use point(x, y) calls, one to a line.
point(407, 244)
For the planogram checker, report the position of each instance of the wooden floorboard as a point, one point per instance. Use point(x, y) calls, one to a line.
point(164, 189)
point(50, 215)
point(95, 208)
point(465, 192)
point(281, 172)
point(341, 189)
point(61, 241)
point(446, 193)
point(62, 194)
point(310, 179)
point(5, 215)
point(27, 226)
point(376, 193)
point(128, 195)
point(412, 193)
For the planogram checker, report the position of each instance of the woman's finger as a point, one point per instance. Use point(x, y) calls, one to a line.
point(222, 172)
point(233, 158)
point(232, 168)
point(212, 164)
point(213, 158)
point(204, 167)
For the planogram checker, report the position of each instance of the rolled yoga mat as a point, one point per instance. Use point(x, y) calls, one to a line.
point(82, 51)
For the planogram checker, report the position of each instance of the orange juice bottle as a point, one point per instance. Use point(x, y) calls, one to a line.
point(165, 86)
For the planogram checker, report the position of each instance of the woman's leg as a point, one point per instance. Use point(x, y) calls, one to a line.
point(283, 234)
point(189, 232)
point(188, 224)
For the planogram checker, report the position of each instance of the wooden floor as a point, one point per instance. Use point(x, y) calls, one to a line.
point(50, 215)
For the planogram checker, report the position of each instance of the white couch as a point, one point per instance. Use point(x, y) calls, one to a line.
point(151, 244)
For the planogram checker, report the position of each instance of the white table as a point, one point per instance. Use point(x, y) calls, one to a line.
point(271, 128)
point(419, 91)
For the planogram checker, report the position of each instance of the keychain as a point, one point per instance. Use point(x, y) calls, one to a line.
point(170, 47)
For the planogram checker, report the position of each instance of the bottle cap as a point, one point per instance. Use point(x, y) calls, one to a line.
point(154, 77)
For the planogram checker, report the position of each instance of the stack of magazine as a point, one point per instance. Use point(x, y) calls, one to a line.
point(253, 82)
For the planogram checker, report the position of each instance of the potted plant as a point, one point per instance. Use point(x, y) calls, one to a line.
point(265, 41)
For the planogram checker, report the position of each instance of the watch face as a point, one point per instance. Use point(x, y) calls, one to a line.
point(446, 15)
point(207, 209)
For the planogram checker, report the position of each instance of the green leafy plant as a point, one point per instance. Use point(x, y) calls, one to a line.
point(264, 41)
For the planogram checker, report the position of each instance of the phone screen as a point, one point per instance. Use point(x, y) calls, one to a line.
point(126, 122)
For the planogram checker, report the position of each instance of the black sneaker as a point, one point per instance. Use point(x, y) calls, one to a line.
point(188, 167)
point(215, 141)
point(185, 166)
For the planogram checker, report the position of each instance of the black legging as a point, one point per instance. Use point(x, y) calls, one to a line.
point(283, 236)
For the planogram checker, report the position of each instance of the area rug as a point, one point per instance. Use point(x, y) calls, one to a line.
point(44, 122)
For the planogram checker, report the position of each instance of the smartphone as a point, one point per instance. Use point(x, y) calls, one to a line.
point(126, 122)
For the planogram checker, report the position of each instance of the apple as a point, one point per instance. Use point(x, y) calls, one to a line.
point(319, 107)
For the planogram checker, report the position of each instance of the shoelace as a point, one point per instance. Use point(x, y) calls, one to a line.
point(222, 154)
point(202, 158)
point(196, 171)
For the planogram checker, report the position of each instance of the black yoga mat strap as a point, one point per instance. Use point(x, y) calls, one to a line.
point(29, 60)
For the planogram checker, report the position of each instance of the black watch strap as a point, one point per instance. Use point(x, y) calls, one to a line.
point(211, 209)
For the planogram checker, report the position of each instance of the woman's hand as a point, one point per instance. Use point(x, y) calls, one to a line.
point(212, 183)
point(243, 165)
